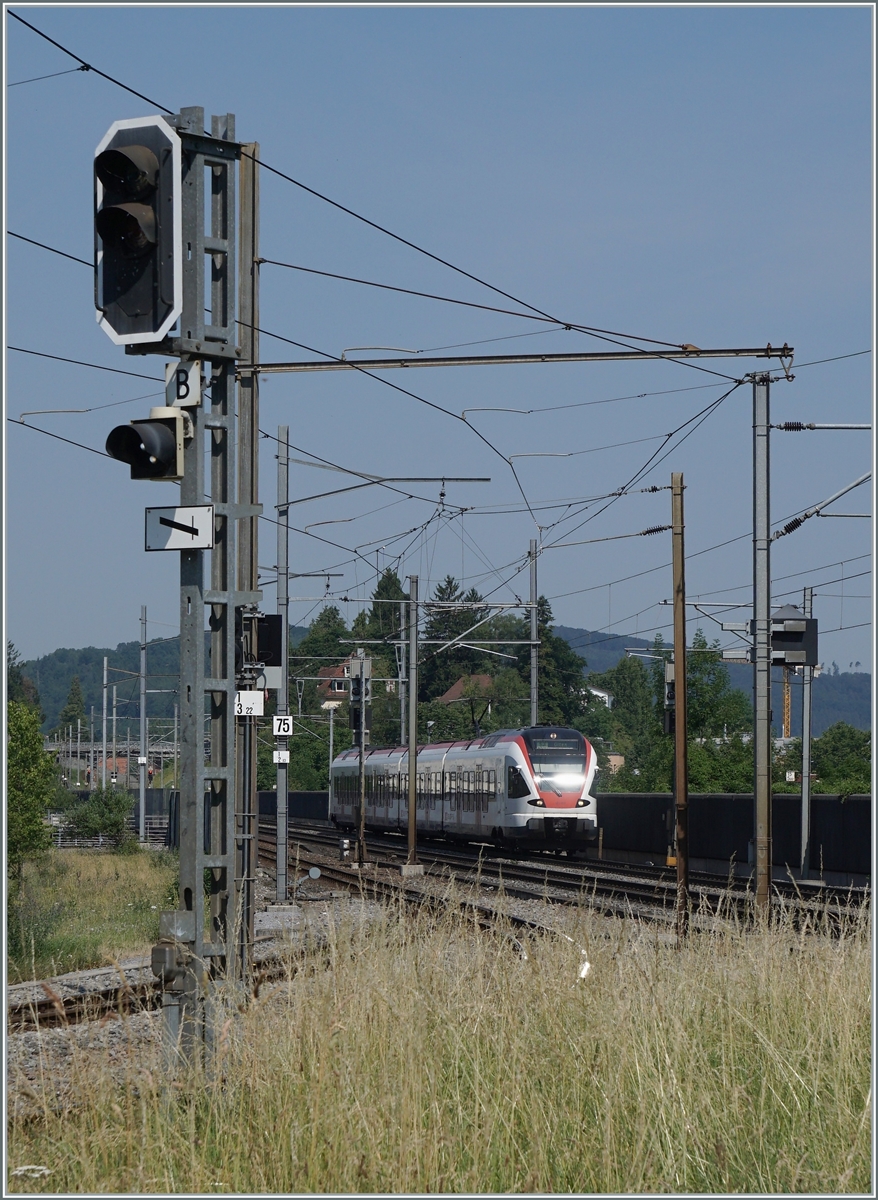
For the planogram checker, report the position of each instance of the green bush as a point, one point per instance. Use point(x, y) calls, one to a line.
point(104, 814)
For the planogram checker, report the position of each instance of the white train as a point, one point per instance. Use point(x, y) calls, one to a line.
point(517, 786)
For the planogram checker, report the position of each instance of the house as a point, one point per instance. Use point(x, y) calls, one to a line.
point(475, 683)
point(334, 681)
point(603, 695)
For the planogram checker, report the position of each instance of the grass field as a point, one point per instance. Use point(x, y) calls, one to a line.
point(80, 908)
point(426, 1056)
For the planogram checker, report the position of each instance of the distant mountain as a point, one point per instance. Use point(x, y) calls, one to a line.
point(600, 650)
point(53, 674)
point(845, 696)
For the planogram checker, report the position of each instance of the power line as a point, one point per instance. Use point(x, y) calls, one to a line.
point(42, 245)
point(414, 396)
point(444, 262)
point(87, 66)
point(592, 330)
point(36, 428)
point(78, 363)
point(54, 75)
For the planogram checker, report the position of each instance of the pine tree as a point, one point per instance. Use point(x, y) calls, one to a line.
point(442, 668)
point(74, 708)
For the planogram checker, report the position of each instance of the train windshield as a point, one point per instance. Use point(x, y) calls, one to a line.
point(556, 753)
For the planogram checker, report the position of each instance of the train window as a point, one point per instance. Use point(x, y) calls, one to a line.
point(517, 787)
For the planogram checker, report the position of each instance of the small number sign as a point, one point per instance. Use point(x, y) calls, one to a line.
point(283, 726)
point(249, 704)
point(281, 756)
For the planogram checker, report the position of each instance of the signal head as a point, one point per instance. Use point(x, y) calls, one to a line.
point(153, 448)
point(138, 230)
point(130, 172)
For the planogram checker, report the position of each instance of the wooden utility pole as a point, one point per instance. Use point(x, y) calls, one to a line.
point(681, 766)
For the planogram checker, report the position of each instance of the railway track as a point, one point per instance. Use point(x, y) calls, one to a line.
point(618, 889)
point(631, 890)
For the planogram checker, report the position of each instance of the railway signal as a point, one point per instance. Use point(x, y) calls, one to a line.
point(138, 230)
point(153, 448)
point(793, 638)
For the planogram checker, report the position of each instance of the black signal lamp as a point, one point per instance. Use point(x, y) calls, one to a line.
point(152, 448)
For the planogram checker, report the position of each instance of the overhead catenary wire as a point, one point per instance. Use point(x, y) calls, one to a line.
point(592, 330)
point(414, 396)
point(87, 66)
point(79, 363)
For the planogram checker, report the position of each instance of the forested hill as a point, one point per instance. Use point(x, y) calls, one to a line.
point(837, 696)
point(53, 674)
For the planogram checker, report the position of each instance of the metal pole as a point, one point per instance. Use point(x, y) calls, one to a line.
point(283, 702)
point(144, 751)
point(176, 715)
point(78, 750)
point(534, 630)
point(681, 766)
point(104, 729)
point(402, 673)
point(331, 730)
point(115, 760)
point(413, 723)
point(128, 756)
point(92, 765)
point(762, 639)
point(246, 830)
point(361, 766)
point(807, 676)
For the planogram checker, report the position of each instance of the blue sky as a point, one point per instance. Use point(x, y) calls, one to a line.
point(691, 174)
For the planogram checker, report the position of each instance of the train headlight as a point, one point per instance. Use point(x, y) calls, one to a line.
point(581, 803)
point(537, 803)
point(569, 782)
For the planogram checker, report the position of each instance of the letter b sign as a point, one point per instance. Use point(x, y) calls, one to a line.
point(183, 384)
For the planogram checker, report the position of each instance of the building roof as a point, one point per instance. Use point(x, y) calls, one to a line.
point(455, 692)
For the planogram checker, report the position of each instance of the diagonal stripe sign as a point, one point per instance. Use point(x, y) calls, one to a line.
point(180, 528)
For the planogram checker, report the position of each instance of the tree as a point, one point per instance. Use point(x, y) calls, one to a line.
point(30, 786)
point(842, 759)
point(632, 718)
point(714, 708)
point(563, 696)
point(18, 686)
point(382, 619)
point(441, 668)
point(74, 708)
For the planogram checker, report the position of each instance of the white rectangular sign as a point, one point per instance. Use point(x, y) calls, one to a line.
point(183, 384)
point(281, 756)
point(283, 726)
point(249, 704)
point(180, 528)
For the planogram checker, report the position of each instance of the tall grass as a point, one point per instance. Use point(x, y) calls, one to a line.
point(430, 1057)
point(82, 908)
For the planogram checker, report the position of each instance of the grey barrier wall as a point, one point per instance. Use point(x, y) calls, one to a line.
point(721, 827)
point(301, 806)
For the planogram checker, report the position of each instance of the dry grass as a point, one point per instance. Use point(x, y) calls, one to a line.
point(83, 908)
point(430, 1058)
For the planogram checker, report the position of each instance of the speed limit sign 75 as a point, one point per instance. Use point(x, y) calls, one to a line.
point(283, 726)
